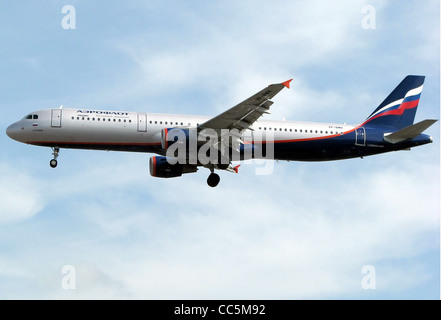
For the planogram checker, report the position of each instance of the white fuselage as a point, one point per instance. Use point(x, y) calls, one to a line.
point(136, 131)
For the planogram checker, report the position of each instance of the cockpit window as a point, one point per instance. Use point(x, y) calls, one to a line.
point(31, 116)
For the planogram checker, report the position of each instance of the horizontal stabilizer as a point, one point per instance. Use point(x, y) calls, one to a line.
point(409, 132)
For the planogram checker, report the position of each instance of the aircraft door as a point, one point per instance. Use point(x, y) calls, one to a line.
point(142, 122)
point(360, 137)
point(56, 117)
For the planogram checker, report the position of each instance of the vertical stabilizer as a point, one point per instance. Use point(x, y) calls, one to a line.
point(398, 109)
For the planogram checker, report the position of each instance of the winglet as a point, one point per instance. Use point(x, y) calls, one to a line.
point(286, 83)
point(236, 169)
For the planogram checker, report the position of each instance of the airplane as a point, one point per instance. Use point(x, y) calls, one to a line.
point(234, 135)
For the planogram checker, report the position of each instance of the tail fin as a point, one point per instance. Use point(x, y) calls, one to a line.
point(398, 110)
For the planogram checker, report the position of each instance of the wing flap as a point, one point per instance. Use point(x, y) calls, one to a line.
point(243, 115)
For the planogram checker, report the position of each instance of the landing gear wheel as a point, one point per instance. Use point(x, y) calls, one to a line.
point(53, 163)
point(56, 151)
point(213, 180)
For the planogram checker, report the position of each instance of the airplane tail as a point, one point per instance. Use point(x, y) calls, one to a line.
point(398, 110)
point(409, 132)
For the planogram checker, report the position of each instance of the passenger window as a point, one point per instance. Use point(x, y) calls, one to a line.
point(119, 120)
point(301, 130)
point(73, 117)
point(290, 130)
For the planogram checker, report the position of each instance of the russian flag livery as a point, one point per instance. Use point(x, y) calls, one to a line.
point(399, 108)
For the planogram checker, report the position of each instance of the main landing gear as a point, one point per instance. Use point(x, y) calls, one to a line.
point(53, 163)
point(213, 179)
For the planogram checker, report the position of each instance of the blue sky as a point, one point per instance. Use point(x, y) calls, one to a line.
point(303, 232)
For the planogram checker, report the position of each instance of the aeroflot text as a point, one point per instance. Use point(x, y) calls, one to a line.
point(118, 113)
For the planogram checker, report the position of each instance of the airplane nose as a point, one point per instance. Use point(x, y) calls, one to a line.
point(12, 131)
point(9, 131)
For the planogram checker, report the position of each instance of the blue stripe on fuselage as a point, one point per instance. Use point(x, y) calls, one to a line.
point(336, 148)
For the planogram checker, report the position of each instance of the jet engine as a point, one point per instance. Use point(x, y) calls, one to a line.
point(170, 136)
point(160, 167)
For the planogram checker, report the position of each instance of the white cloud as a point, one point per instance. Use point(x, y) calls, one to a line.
point(239, 45)
point(20, 195)
point(235, 241)
point(303, 232)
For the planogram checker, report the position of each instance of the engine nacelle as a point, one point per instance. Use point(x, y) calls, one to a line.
point(186, 136)
point(203, 147)
point(161, 168)
point(170, 136)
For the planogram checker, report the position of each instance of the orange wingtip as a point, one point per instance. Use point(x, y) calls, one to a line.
point(286, 83)
point(236, 169)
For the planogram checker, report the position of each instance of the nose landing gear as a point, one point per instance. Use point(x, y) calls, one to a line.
point(53, 163)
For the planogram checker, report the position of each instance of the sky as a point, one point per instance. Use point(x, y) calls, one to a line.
point(100, 227)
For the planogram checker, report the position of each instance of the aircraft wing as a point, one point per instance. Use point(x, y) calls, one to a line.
point(243, 115)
